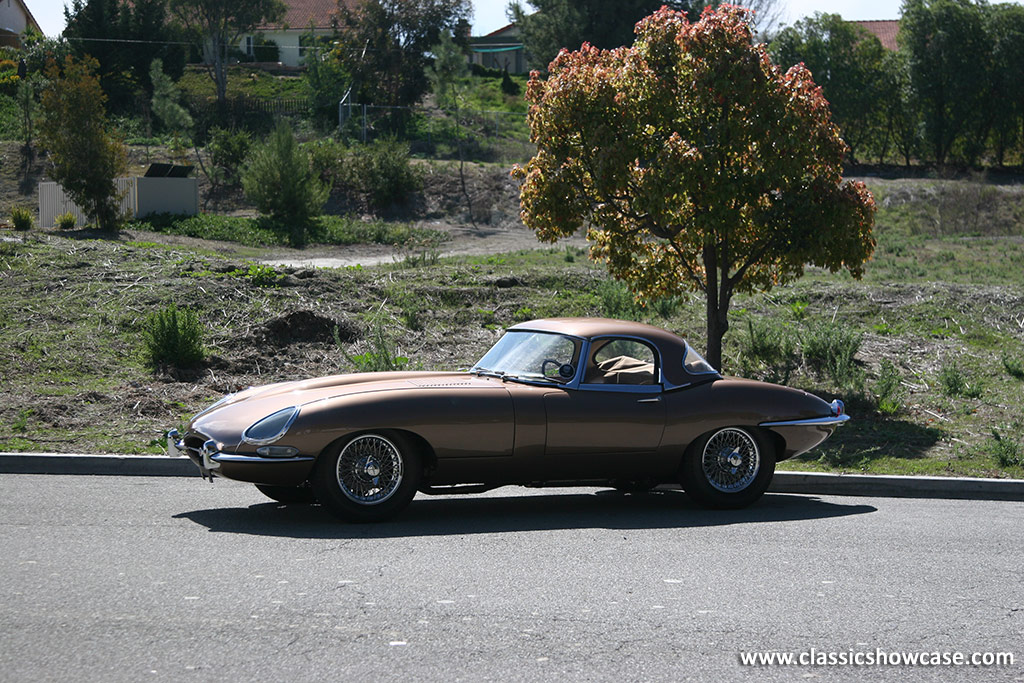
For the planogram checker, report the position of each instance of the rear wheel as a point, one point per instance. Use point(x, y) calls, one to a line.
point(288, 494)
point(728, 468)
point(368, 478)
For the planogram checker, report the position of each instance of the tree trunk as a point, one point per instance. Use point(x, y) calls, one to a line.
point(220, 79)
point(717, 308)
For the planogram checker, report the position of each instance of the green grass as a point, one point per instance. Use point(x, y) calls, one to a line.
point(242, 80)
point(485, 94)
point(261, 232)
point(10, 118)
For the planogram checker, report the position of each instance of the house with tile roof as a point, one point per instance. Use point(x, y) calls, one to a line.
point(15, 17)
point(885, 30)
point(301, 17)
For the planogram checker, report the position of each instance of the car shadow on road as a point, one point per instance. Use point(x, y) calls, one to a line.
point(451, 516)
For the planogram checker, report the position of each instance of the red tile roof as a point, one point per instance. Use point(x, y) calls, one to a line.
point(299, 13)
point(885, 30)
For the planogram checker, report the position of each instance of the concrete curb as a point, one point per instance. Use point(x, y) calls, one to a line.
point(103, 465)
point(893, 486)
point(898, 486)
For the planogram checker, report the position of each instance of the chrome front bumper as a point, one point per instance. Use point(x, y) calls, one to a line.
point(210, 457)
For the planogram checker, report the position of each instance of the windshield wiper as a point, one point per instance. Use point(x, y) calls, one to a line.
point(484, 372)
point(530, 377)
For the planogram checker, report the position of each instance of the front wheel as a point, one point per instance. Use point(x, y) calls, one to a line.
point(368, 478)
point(728, 468)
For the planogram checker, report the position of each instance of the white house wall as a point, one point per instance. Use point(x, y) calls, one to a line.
point(12, 17)
point(287, 43)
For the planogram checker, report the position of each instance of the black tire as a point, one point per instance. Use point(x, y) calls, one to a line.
point(729, 467)
point(288, 494)
point(369, 477)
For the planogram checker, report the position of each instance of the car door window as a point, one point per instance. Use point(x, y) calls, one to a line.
point(622, 361)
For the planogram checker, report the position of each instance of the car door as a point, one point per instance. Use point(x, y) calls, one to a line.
point(612, 424)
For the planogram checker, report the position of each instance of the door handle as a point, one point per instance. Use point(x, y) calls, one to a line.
point(656, 399)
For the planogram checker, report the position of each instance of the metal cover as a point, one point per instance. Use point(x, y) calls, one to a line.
point(167, 171)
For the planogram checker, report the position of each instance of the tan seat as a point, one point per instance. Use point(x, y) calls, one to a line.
point(623, 370)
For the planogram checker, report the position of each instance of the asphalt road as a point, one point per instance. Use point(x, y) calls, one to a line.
point(139, 579)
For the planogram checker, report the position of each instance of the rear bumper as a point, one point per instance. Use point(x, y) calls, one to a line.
point(801, 436)
point(255, 469)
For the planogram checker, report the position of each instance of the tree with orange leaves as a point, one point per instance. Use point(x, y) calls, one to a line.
point(695, 164)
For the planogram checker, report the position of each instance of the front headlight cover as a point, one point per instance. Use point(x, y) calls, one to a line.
point(271, 428)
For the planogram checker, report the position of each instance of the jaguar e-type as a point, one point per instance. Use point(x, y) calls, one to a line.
point(555, 402)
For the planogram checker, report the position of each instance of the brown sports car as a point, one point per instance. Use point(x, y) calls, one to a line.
point(555, 402)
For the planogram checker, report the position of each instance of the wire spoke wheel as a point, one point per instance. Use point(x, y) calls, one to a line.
point(369, 469)
point(731, 460)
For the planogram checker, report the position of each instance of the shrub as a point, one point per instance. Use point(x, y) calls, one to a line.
point(953, 382)
point(1007, 452)
point(378, 358)
point(228, 150)
point(173, 337)
point(667, 306)
point(889, 389)
point(617, 301)
point(325, 156)
point(264, 49)
point(382, 173)
point(21, 218)
point(259, 275)
point(66, 221)
point(1014, 367)
point(770, 349)
point(278, 179)
point(508, 86)
point(829, 350)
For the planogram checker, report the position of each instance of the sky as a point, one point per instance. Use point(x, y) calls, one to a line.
point(490, 14)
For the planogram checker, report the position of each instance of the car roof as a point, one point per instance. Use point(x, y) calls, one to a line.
point(588, 328)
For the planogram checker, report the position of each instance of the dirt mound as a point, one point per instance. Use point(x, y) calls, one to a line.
point(307, 326)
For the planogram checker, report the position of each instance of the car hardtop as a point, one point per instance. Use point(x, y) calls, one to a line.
point(670, 347)
point(591, 328)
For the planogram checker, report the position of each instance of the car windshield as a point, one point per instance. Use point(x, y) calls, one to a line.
point(531, 355)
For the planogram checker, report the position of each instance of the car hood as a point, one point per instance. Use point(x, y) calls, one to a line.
point(236, 412)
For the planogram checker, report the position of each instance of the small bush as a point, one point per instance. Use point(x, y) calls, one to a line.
point(173, 337)
point(1014, 367)
point(326, 157)
point(1008, 453)
point(617, 301)
point(829, 350)
point(228, 151)
point(889, 389)
point(954, 383)
point(264, 49)
point(383, 173)
point(21, 218)
point(769, 350)
point(508, 86)
point(279, 181)
point(260, 275)
point(66, 221)
point(378, 358)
